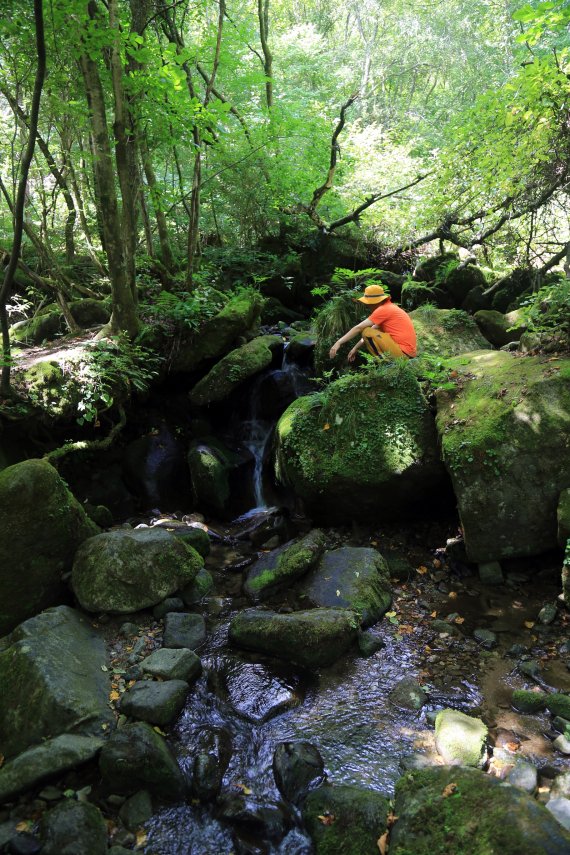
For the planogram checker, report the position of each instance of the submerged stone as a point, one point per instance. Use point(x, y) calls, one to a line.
point(407, 694)
point(298, 767)
point(256, 691)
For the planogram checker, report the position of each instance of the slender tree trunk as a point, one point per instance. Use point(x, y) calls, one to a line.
point(263, 17)
point(161, 225)
point(21, 194)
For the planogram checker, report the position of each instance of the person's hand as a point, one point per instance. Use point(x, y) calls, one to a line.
point(333, 351)
point(352, 355)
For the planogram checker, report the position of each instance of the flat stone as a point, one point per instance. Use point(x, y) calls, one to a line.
point(173, 664)
point(255, 691)
point(155, 703)
point(44, 761)
point(184, 630)
point(486, 638)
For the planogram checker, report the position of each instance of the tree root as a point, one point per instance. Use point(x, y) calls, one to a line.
point(57, 454)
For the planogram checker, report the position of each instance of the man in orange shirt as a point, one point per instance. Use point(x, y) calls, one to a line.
point(389, 330)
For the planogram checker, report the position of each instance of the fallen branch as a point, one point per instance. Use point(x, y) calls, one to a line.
point(88, 444)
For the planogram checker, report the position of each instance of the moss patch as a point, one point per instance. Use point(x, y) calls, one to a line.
point(282, 566)
point(231, 371)
point(446, 332)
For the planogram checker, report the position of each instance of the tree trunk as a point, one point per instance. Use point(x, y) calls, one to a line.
point(161, 224)
point(263, 16)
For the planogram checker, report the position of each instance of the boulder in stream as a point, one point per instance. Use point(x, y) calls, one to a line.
point(158, 703)
point(451, 809)
point(460, 738)
point(351, 577)
point(214, 751)
point(41, 526)
point(345, 819)
point(257, 692)
point(284, 565)
point(313, 638)
point(211, 465)
point(298, 767)
point(73, 828)
point(123, 571)
point(236, 367)
point(504, 437)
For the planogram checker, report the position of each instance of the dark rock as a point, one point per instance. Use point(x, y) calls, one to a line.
point(156, 703)
point(407, 694)
point(255, 691)
point(461, 280)
point(266, 820)
point(369, 644)
point(173, 664)
point(24, 844)
point(137, 757)
point(309, 638)
point(427, 270)
point(345, 819)
point(486, 638)
point(155, 469)
point(498, 328)
point(170, 604)
point(508, 290)
point(73, 828)
point(136, 810)
point(491, 573)
point(547, 614)
point(298, 767)
point(195, 536)
point(211, 465)
point(284, 565)
point(213, 754)
point(199, 588)
point(184, 630)
point(430, 824)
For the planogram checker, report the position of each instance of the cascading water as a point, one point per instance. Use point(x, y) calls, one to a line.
point(256, 433)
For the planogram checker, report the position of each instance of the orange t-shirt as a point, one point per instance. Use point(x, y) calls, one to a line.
point(398, 324)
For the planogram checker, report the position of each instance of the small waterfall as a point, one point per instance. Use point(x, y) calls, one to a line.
point(256, 433)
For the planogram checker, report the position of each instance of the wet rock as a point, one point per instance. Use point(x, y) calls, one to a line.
point(284, 565)
point(408, 694)
point(529, 702)
point(354, 819)
point(561, 786)
point(560, 809)
point(517, 650)
point(369, 644)
point(266, 820)
point(255, 691)
point(460, 739)
point(558, 704)
point(24, 844)
point(432, 823)
point(173, 664)
point(530, 668)
point(418, 761)
point(211, 465)
point(137, 757)
point(136, 810)
point(213, 754)
point(51, 758)
point(562, 725)
point(298, 767)
point(170, 604)
point(199, 588)
point(184, 630)
point(355, 578)
point(562, 744)
point(491, 573)
point(547, 614)
point(41, 526)
point(156, 703)
point(73, 828)
point(234, 369)
point(313, 638)
point(486, 638)
point(195, 535)
point(443, 626)
point(295, 843)
point(124, 571)
point(52, 681)
point(155, 470)
point(128, 629)
point(524, 775)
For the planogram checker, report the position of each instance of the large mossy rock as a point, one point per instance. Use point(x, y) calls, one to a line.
point(464, 811)
point(217, 335)
point(504, 436)
point(446, 332)
point(366, 448)
point(234, 368)
point(345, 819)
point(462, 279)
point(41, 527)
point(284, 565)
point(310, 638)
point(500, 329)
point(355, 578)
point(434, 267)
point(123, 571)
point(52, 681)
point(460, 738)
point(211, 466)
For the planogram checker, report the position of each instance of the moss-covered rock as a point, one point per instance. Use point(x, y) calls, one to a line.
point(211, 465)
point(460, 738)
point(157, 703)
point(355, 578)
point(499, 329)
point(365, 448)
point(460, 280)
point(504, 436)
point(435, 267)
point(52, 682)
point(309, 638)
point(563, 517)
point(446, 332)
point(73, 827)
point(43, 327)
point(416, 294)
point(41, 526)
point(558, 704)
point(529, 702)
point(90, 312)
point(124, 571)
point(218, 334)
point(199, 588)
point(345, 819)
point(464, 811)
point(508, 290)
point(284, 565)
point(234, 368)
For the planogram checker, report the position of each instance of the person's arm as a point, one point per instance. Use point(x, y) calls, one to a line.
point(352, 355)
point(347, 336)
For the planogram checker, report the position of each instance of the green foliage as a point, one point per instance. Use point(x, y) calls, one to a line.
point(183, 309)
point(547, 312)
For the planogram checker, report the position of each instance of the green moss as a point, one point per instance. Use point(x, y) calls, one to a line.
point(446, 332)
point(529, 702)
point(355, 818)
point(559, 704)
point(285, 564)
point(233, 369)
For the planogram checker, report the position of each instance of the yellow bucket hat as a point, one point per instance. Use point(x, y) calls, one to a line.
point(373, 294)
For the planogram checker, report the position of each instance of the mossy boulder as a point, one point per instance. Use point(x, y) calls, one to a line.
point(500, 329)
point(416, 294)
point(41, 527)
point(504, 437)
point(90, 312)
point(365, 448)
point(136, 756)
point(563, 517)
point(52, 681)
point(466, 812)
point(123, 571)
point(558, 704)
point(434, 267)
point(507, 291)
point(211, 465)
point(234, 368)
point(218, 334)
point(460, 280)
point(460, 738)
point(73, 827)
point(526, 701)
point(200, 587)
point(284, 565)
point(446, 332)
point(345, 819)
point(313, 638)
point(355, 578)
point(43, 327)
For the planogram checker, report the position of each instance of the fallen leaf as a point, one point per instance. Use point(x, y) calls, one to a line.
point(459, 619)
point(24, 826)
point(512, 746)
point(382, 843)
point(529, 624)
point(327, 818)
point(449, 790)
point(326, 426)
point(245, 790)
point(433, 614)
point(114, 695)
point(390, 614)
point(141, 838)
point(452, 595)
point(158, 730)
point(422, 570)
